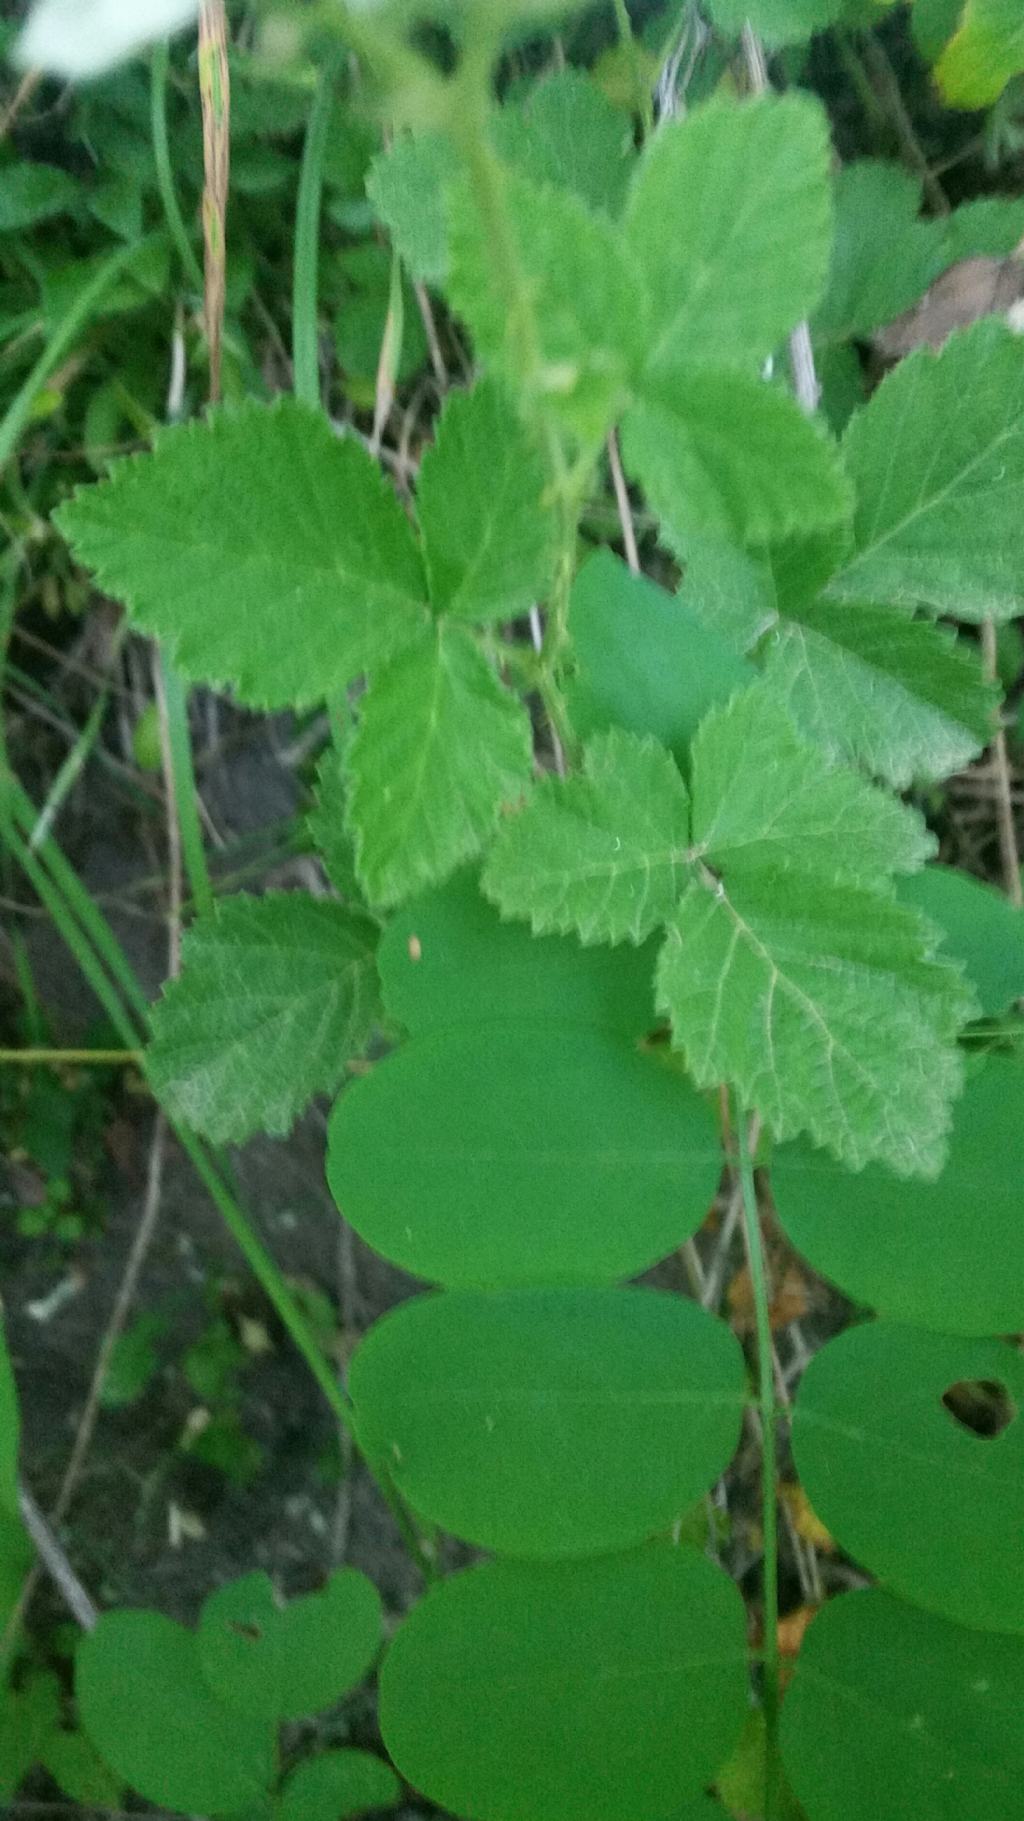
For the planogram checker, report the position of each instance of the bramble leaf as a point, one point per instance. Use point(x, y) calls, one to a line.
point(602, 854)
point(269, 553)
point(729, 455)
point(275, 995)
point(884, 256)
point(938, 461)
point(729, 220)
point(565, 131)
point(441, 747)
point(488, 537)
point(406, 185)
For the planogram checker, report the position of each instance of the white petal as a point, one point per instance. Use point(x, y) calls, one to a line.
point(76, 38)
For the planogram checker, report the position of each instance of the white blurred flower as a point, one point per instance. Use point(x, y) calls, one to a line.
point(80, 38)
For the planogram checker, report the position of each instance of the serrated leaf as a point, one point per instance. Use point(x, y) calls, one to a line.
point(726, 454)
point(815, 1000)
point(565, 131)
point(440, 749)
point(550, 1423)
point(729, 219)
point(489, 1156)
point(899, 1246)
point(524, 1693)
point(336, 1786)
point(447, 958)
point(761, 797)
point(875, 687)
point(328, 830)
point(277, 1661)
point(580, 287)
point(729, 589)
point(406, 184)
point(884, 256)
point(644, 661)
point(488, 536)
point(929, 1506)
point(269, 553)
point(275, 995)
point(896, 1712)
point(984, 54)
point(180, 1747)
point(602, 854)
point(981, 930)
point(938, 461)
point(778, 22)
point(992, 226)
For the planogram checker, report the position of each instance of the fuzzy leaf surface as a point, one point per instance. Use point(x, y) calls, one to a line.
point(937, 457)
point(729, 219)
point(488, 538)
point(275, 995)
point(567, 132)
point(602, 854)
point(269, 553)
point(441, 747)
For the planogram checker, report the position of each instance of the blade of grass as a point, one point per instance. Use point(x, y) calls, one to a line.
point(158, 68)
point(305, 279)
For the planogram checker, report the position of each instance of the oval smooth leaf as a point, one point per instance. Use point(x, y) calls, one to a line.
point(336, 1785)
point(150, 1715)
point(484, 1158)
point(279, 1662)
point(933, 1509)
point(894, 1712)
point(550, 1422)
point(569, 1692)
point(980, 928)
point(899, 1245)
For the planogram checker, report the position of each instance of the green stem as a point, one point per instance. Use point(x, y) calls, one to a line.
point(164, 168)
point(65, 1058)
point(769, 1470)
point(64, 335)
point(183, 778)
point(641, 87)
point(305, 280)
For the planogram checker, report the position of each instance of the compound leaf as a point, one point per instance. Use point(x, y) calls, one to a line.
point(899, 1246)
point(441, 747)
point(546, 1423)
point(729, 219)
point(938, 460)
point(602, 854)
point(488, 539)
point(897, 1712)
point(284, 1662)
point(180, 1747)
point(275, 995)
point(927, 1504)
point(269, 553)
point(488, 1156)
point(576, 1692)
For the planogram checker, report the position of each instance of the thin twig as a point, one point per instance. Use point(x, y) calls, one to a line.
point(622, 502)
point(429, 321)
point(1008, 849)
point(173, 829)
point(23, 93)
point(56, 1562)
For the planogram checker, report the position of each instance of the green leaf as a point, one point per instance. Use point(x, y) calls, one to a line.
point(179, 1747)
point(819, 1002)
point(899, 1246)
point(728, 455)
point(406, 185)
point(579, 1692)
point(326, 826)
point(603, 854)
point(985, 54)
point(565, 131)
point(267, 551)
point(447, 959)
point(584, 297)
point(933, 23)
point(896, 1712)
point(930, 1507)
point(980, 929)
point(133, 1361)
point(550, 1422)
point(79, 1772)
point(729, 219)
point(492, 1156)
point(272, 1661)
point(938, 460)
point(761, 797)
point(441, 748)
point(274, 997)
point(489, 540)
point(875, 687)
point(884, 256)
point(644, 660)
point(992, 226)
point(336, 1785)
point(28, 1717)
point(30, 193)
point(729, 590)
point(778, 22)
point(10, 1432)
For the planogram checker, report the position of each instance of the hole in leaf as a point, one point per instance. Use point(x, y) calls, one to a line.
point(252, 1631)
point(982, 1405)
